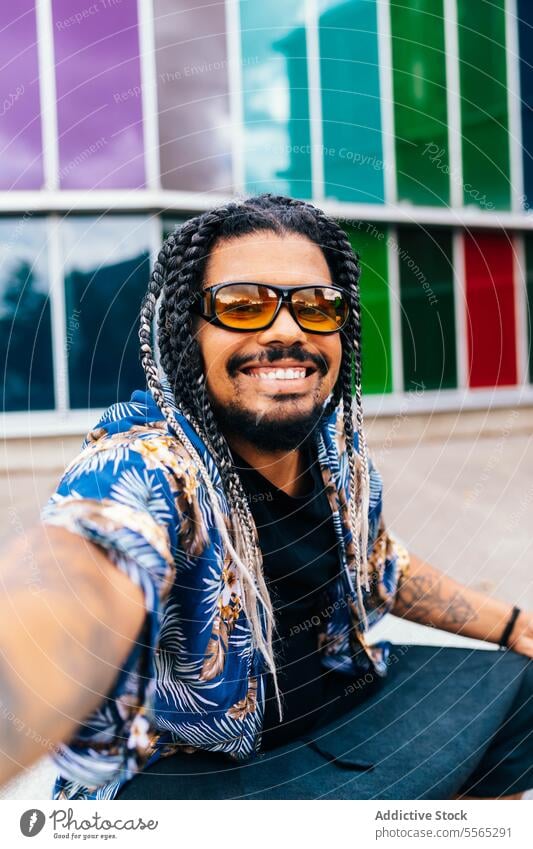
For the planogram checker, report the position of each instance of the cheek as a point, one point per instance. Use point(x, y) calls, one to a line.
point(215, 348)
point(333, 351)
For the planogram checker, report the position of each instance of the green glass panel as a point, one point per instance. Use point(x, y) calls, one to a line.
point(484, 121)
point(427, 308)
point(370, 242)
point(528, 240)
point(420, 112)
point(277, 143)
point(351, 106)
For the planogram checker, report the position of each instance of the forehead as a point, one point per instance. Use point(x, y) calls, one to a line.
point(267, 257)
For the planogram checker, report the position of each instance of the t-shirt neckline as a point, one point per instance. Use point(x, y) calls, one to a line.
point(252, 472)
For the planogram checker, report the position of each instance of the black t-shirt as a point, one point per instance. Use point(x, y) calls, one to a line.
point(300, 558)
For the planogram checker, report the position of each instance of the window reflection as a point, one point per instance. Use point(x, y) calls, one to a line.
point(351, 111)
point(428, 313)
point(20, 107)
point(99, 97)
point(25, 329)
point(107, 269)
point(490, 308)
point(420, 109)
point(193, 97)
point(370, 242)
point(275, 94)
point(484, 121)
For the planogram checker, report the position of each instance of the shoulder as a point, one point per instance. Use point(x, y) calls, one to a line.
point(135, 434)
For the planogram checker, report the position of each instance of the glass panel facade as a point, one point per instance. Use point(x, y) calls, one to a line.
point(420, 112)
point(484, 121)
point(370, 242)
point(98, 81)
point(277, 142)
point(525, 38)
point(297, 59)
point(20, 124)
point(25, 325)
point(427, 305)
point(107, 269)
point(490, 302)
point(193, 98)
point(351, 111)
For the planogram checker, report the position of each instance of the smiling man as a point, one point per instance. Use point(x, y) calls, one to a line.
point(268, 386)
point(216, 554)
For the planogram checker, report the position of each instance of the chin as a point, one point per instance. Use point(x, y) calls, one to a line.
point(277, 428)
point(285, 408)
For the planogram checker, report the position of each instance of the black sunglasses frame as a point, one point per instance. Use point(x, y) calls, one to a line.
point(205, 306)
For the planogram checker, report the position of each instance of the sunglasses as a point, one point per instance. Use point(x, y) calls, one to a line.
point(254, 306)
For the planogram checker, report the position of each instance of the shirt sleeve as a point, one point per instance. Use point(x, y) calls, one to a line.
point(129, 494)
point(388, 558)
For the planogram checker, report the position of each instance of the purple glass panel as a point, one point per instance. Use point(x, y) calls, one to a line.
point(20, 113)
point(192, 92)
point(99, 109)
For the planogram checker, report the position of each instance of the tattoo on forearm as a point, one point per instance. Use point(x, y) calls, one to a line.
point(422, 599)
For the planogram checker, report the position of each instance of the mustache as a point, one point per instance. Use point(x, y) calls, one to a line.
point(273, 355)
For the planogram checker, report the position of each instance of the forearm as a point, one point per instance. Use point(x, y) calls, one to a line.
point(60, 648)
point(429, 597)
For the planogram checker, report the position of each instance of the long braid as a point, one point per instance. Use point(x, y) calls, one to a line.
point(178, 277)
point(173, 274)
point(346, 274)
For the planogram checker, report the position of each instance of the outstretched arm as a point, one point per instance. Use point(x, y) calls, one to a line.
point(429, 597)
point(61, 648)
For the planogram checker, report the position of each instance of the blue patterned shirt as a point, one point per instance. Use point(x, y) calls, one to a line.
point(193, 680)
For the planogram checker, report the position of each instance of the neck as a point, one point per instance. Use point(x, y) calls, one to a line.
point(285, 469)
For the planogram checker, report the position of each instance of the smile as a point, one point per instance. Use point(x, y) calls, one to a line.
point(294, 373)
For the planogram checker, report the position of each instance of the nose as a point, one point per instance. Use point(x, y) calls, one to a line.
point(284, 329)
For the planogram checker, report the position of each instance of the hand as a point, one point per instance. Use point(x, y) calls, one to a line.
point(521, 639)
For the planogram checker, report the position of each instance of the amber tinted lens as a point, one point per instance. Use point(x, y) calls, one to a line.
point(320, 309)
point(245, 306)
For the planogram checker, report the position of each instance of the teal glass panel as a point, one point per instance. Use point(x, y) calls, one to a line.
point(25, 321)
point(277, 143)
point(427, 308)
point(370, 242)
point(484, 120)
point(351, 106)
point(107, 267)
point(420, 111)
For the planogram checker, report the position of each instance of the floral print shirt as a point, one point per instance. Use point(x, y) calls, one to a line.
point(193, 680)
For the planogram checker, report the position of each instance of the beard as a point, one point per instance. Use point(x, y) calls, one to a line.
point(270, 434)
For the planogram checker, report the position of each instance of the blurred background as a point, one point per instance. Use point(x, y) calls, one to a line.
point(410, 121)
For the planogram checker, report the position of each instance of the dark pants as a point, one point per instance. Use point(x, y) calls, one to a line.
point(445, 721)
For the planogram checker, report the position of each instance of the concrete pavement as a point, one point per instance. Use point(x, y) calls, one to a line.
point(458, 490)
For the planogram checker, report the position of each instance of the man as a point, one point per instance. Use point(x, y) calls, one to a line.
point(213, 559)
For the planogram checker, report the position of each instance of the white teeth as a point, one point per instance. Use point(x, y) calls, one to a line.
point(280, 374)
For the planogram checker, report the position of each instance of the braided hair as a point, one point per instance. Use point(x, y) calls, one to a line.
point(177, 278)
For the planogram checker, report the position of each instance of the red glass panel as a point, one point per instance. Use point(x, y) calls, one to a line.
point(490, 302)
